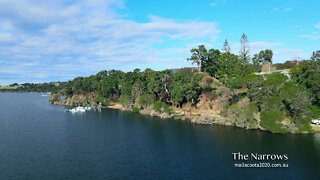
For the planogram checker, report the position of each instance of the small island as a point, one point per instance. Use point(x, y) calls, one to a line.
point(227, 89)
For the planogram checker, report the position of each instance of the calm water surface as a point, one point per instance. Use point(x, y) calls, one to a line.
point(41, 141)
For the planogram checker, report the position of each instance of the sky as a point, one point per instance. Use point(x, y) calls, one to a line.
point(44, 41)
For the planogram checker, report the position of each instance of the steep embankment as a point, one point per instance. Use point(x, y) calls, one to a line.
point(212, 107)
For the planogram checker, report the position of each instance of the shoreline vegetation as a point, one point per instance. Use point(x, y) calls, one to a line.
point(226, 89)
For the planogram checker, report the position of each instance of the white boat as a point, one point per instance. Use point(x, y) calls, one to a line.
point(79, 109)
point(87, 108)
point(315, 121)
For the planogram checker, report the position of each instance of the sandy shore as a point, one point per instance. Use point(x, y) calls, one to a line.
point(115, 106)
point(316, 128)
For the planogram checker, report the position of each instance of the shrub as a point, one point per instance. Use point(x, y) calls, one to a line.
point(125, 101)
point(247, 81)
point(315, 111)
point(102, 100)
point(166, 108)
point(271, 120)
point(243, 114)
point(157, 106)
point(144, 100)
point(161, 107)
point(271, 103)
point(135, 110)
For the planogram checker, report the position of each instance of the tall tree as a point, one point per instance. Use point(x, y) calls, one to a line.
point(315, 55)
point(213, 63)
point(226, 47)
point(199, 56)
point(267, 55)
point(244, 52)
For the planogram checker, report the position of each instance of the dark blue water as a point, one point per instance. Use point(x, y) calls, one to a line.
point(41, 141)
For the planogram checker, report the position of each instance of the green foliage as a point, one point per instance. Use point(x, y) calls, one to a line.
point(249, 113)
point(295, 99)
point(243, 114)
point(307, 75)
point(161, 107)
point(270, 86)
point(199, 56)
point(102, 100)
point(244, 53)
point(226, 47)
point(316, 55)
point(265, 56)
point(125, 101)
point(135, 109)
point(314, 111)
point(144, 100)
point(138, 88)
point(261, 58)
point(247, 81)
point(303, 124)
point(154, 83)
point(223, 65)
point(272, 103)
point(130, 85)
point(271, 120)
point(109, 84)
point(185, 87)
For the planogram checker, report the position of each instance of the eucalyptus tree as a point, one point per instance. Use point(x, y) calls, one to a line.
point(199, 56)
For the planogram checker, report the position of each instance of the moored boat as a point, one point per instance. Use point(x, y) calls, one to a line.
point(79, 109)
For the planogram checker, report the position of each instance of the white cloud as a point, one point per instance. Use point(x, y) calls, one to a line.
point(315, 35)
point(286, 9)
point(81, 38)
point(311, 36)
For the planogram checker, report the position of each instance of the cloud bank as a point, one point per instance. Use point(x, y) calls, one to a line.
point(47, 41)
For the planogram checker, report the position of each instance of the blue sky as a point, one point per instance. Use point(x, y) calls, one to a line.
point(59, 40)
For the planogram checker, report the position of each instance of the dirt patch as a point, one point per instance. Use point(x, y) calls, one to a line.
point(316, 128)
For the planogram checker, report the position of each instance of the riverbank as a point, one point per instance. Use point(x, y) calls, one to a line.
point(315, 128)
point(115, 106)
point(203, 112)
point(182, 114)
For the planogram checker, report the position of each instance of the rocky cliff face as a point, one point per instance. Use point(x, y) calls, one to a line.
point(212, 107)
